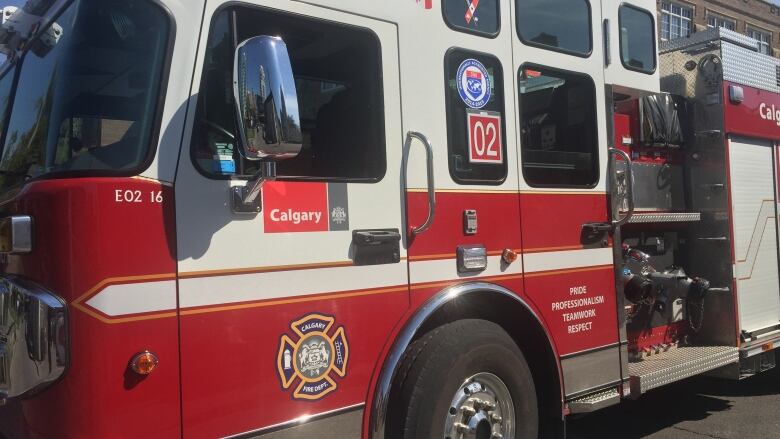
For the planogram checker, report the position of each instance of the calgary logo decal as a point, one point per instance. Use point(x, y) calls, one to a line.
point(314, 357)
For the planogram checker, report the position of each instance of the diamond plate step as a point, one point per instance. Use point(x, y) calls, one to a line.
point(677, 364)
point(664, 217)
point(593, 402)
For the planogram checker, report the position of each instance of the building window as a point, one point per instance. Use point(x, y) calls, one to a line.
point(675, 21)
point(763, 39)
point(714, 21)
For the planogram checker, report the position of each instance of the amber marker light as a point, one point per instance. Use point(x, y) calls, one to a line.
point(144, 363)
point(509, 256)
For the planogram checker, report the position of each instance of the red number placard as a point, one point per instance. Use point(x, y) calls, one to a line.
point(485, 144)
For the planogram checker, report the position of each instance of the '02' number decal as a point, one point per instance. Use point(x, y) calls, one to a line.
point(136, 196)
point(485, 137)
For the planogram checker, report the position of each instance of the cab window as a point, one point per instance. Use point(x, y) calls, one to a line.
point(6, 86)
point(339, 84)
point(561, 25)
point(89, 91)
point(559, 144)
point(475, 117)
point(637, 39)
point(480, 17)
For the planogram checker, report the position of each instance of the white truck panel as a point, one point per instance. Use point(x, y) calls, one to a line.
point(755, 232)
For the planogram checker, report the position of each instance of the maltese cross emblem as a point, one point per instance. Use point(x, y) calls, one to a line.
point(314, 357)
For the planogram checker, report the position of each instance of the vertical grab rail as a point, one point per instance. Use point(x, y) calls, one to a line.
point(410, 136)
point(629, 194)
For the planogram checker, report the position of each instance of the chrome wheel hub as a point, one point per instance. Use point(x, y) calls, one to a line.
point(481, 409)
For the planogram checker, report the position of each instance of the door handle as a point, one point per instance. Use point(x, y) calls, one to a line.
point(410, 136)
point(376, 246)
point(629, 191)
point(376, 237)
point(595, 230)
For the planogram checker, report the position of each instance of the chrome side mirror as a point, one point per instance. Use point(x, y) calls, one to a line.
point(266, 100)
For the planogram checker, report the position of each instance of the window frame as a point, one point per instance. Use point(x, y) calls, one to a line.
point(159, 105)
point(557, 49)
point(749, 28)
point(10, 67)
point(671, 15)
point(652, 38)
point(234, 34)
point(466, 30)
point(597, 148)
point(719, 20)
point(505, 146)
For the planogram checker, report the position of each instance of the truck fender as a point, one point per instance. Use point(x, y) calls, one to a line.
point(471, 290)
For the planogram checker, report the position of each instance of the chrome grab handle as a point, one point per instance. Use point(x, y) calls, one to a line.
point(410, 136)
point(629, 193)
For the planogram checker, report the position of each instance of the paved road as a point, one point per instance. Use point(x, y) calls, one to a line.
point(699, 408)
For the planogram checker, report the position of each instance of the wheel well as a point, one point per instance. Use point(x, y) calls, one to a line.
point(524, 327)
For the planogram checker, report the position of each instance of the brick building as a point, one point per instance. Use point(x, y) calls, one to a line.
point(756, 18)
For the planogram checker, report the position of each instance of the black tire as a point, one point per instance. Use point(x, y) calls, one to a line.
point(436, 365)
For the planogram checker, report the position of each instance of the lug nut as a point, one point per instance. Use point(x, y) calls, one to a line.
point(468, 411)
point(496, 418)
point(461, 427)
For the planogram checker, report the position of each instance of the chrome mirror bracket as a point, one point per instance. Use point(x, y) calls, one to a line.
point(246, 199)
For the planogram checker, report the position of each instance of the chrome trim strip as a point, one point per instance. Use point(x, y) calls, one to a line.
point(300, 420)
point(404, 339)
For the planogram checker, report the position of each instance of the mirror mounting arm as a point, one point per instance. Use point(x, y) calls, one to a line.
point(246, 199)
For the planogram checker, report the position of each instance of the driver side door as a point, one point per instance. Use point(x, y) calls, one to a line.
point(282, 311)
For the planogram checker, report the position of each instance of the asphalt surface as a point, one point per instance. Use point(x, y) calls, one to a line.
point(698, 408)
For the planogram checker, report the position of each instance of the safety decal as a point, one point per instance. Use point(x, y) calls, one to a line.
point(290, 207)
point(473, 82)
point(471, 11)
point(315, 357)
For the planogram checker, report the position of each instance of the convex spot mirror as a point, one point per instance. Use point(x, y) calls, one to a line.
point(266, 100)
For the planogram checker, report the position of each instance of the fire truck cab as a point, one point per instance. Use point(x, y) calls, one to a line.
point(375, 219)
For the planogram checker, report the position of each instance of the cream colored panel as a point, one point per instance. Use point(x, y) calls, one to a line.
point(755, 233)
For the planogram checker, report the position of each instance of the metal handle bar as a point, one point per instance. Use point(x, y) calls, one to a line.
point(629, 187)
point(410, 136)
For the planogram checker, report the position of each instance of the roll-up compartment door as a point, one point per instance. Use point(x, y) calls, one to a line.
point(754, 217)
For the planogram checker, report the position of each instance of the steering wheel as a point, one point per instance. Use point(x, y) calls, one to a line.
point(218, 128)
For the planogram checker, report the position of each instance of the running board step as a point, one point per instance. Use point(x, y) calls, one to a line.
point(677, 364)
point(594, 401)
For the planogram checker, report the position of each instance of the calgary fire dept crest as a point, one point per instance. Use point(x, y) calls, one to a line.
point(315, 358)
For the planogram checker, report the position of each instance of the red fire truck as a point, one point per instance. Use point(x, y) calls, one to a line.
point(378, 219)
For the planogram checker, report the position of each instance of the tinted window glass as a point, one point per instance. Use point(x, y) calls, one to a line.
point(88, 90)
point(559, 24)
point(6, 84)
point(637, 39)
point(475, 118)
point(339, 84)
point(559, 142)
point(476, 16)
